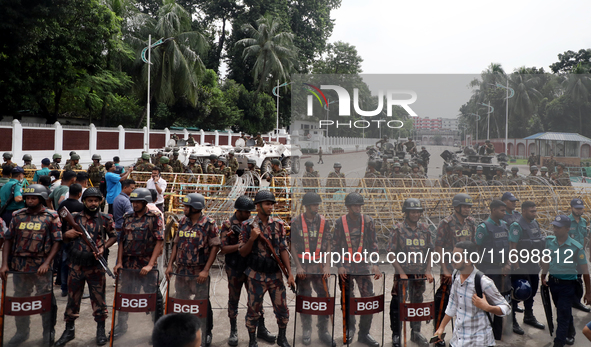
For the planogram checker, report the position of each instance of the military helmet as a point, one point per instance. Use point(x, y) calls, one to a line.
point(96, 157)
point(544, 169)
point(223, 160)
point(252, 161)
point(264, 195)
point(461, 199)
point(145, 156)
point(213, 157)
point(562, 165)
point(193, 156)
point(75, 156)
point(57, 156)
point(36, 190)
point(412, 204)
point(354, 199)
point(414, 165)
point(311, 198)
point(141, 194)
point(371, 163)
point(164, 160)
point(337, 164)
point(533, 168)
point(276, 162)
point(498, 168)
point(449, 168)
point(244, 203)
point(309, 164)
point(72, 153)
point(423, 147)
point(195, 200)
point(231, 153)
point(458, 168)
point(514, 168)
point(397, 164)
point(7, 155)
point(479, 168)
point(27, 157)
point(92, 192)
point(406, 160)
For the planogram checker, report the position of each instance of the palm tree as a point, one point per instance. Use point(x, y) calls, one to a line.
point(577, 87)
point(273, 50)
point(527, 95)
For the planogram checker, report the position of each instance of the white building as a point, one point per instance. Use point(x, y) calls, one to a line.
point(449, 124)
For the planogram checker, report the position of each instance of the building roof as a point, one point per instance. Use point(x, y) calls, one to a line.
point(559, 137)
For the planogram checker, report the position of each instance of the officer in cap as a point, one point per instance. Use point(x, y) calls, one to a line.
point(310, 178)
point(44, 170)
point(211, 166)
point(194, 249)
point(310, 239)
point(84, 268)
point(525, 234)
point(232, 162)
point(511, 214)
point(7, 156)
point(410, 236)
point(140, 243)
point(164, 167)
point(562, 177)
point(11, 194)
point(145, 165)
point(55, 164)
point(27, 158)
point(492, 239)
point(567, 260)
point(193, 165)
point(22, 255)
point(235, 266)
point(336, 178)
point(175, 163)
point(579, 232)
point(264, 274)
point(73, 163)
point(355, 232)
point(96, 171)
point(459, 226)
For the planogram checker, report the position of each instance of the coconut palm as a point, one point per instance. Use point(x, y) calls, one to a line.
point(577, 87)
point(272, 48)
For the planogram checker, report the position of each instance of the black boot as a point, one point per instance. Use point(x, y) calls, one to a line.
point(68, 335)
point(517, 329)
point(233, 339)
point(367, 339)
point(101, 337)
point(323, 334)
point(281, 339)
point(22, 331)
point(252, 342)
point(48, 329)
point(579, 306)
point(418, 338)
point(530, 319)
point(263, 333)
point(121, 327)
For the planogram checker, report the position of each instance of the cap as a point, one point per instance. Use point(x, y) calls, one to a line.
point(45, 161)
point(561, 221)
point(577, 203)
point(18, 169)
point(509, 196)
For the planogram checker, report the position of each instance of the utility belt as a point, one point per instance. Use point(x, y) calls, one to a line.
point(558, 280)
point(263, 264)
point(82, 258)
point(236, 262)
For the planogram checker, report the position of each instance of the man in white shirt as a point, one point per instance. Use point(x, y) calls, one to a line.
point(159, 184)
point(472, 326)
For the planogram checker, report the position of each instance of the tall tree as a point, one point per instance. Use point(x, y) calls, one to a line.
point(340, 58)
point(568, 60)
point(577, 89)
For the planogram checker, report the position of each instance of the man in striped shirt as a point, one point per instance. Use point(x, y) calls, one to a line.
point(472, 326)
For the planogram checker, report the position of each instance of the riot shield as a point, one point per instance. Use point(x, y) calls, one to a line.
point(135, 308)
point(364, 297)
point(185, 295)
point(315, 300)
point(27, 317)
point(416, 298)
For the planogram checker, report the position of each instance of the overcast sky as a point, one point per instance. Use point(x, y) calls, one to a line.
point(461, 36)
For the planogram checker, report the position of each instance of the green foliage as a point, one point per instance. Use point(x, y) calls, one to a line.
point(340, 58)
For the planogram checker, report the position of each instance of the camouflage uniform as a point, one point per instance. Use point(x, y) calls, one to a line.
point(417, 175)
point(233, 163)
point(336, 180)
point(195, 168)
point(311, 180)
point(259, 141)
point(515, 179)
point(84, 268)
point(211, 170)
point(314, 271)
point(138, 238)
point(54, 166)
point(551, 165)
point(479, 179)
point(531, 160)
point(176, 165)
point(194, 243)
point(406, 240)
point(95, 174)
point(70, 167)
point(191, 141)
point(447, 180)
point(563, 179)
point(12, 165)
point(235, 264)
point(270, 281)
point(29, 167)
point(501, 178)
point(490, 149)
point(359, 243)
point(533, 179)
point(156, 160)
point(166, 168)
point(145, 166)
point(405, 169)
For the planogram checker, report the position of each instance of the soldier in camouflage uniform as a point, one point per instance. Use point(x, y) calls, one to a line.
point(533, 177)
point(479, 177)
point(562, 177)
point(371, 171)
point(211, 167)
point(156, 158)
point(55, 164)
point(7, 156)
point(27, 158)
point(406, 237)
point(336, 178)
point(405, 169)
point(264, 274)
point(73, 163)
point(277, 172)
point(96, 171)
point(252, 175)
point(232, 162)
point(415, 172)
point(447, 179)
point(544, 175)
point(140, 243)
point(396, 173)
point(191, 140)
point(386, 168)
point(532, 160)
point(194, 166)
point(310, 235)
point(223, 169)
point(490, 148)
point(145, 165)
point(459, 226)
point(235, 266)
point(355, 233)
point(551, 165)
point(459, 179)
point(30, 244)
point(164, 167)
point(410, 146)
point(500, 175)
point(175, 163)
point(259, 142)
point(310, 178)
point(194, 249)
point(84, 268)
point(514, 177)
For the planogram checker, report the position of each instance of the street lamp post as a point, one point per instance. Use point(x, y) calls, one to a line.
point(276, 93)
point(507, 112)
point(326, 108)
point(490, 110)
point(477, 119)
